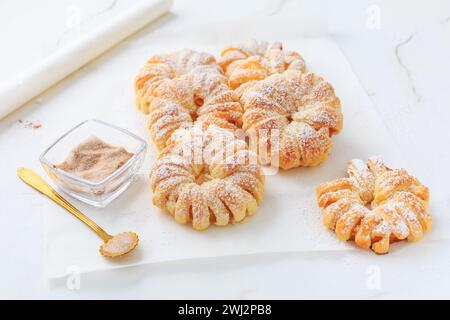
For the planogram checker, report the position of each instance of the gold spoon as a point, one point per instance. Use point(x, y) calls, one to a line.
point(113, 246)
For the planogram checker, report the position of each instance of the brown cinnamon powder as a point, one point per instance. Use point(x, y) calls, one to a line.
point(94, 160)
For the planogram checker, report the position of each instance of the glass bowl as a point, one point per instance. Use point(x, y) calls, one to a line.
point(100, 193)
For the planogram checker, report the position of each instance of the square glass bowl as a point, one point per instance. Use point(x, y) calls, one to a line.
point(100, 193)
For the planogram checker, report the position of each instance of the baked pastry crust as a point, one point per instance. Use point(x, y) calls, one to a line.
point(375, 205)
point(180, 88)
point(162, 67)
point(254, 60)
point(292, 117)
point(207, 176)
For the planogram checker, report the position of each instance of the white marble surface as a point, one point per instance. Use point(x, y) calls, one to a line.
point(402, 62)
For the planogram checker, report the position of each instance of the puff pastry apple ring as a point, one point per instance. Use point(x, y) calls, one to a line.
point(206, 177)
point(184, 87)
point(375, 205)
point(253, 60)
point(292, 117)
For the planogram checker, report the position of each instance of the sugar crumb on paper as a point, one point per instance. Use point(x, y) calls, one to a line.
point(30, 124)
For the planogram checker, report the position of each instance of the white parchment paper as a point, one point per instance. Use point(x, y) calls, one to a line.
point(287, 220)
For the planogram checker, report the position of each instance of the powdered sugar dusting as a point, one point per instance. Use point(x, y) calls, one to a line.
point(255, 60)
point(207, 176)
point(180, 87)
point(308, 114)
point(398, 211)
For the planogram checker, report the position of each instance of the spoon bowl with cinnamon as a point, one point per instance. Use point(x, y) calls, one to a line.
point(113, 246)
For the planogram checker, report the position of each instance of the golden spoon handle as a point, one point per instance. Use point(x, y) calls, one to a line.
point(34, 180)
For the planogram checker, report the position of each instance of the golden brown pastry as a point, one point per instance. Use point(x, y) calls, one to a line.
point(375, 205)
point(180, 88)
point(207, 176)
point(292, 117)
point(160, 68)
point(254, 60)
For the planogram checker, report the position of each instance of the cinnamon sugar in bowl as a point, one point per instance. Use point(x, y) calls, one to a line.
point(94, 162)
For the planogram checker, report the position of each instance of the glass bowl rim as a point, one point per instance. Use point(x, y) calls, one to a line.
point(143, 145)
